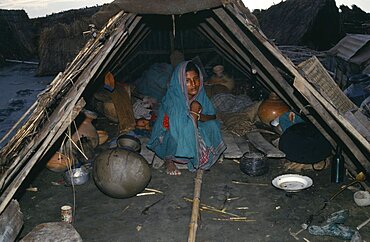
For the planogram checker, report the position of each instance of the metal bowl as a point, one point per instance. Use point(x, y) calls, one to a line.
point(129, 142)
point(76, 176)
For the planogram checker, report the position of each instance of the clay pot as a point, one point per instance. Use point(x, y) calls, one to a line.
point(87, 129)
point(103, 136)
point(271, 108)
point(59, 162)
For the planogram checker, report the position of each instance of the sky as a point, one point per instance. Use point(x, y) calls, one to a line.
point(40, 8)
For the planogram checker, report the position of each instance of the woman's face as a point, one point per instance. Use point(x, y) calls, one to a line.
point(192, 83)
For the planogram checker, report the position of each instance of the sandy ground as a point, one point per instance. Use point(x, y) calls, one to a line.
point(19, 90)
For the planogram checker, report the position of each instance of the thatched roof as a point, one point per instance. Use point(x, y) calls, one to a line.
point(314, 23)
point(17, 37)
point(62, 39)
point(307, 89)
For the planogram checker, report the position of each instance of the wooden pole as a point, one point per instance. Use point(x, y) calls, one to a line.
point(195, 211)
point(11, 222)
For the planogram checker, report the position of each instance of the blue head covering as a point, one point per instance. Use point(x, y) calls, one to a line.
point(181, 140)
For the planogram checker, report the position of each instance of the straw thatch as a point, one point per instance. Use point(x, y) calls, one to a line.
point(17, 41)
point(314, 23)
point(62, 36)
point(354, 20)
point(58, 45)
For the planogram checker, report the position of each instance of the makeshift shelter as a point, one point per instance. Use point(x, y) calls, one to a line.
point(349, 57)
point(308, 88)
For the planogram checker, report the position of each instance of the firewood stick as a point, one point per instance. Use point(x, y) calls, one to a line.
point(195, 211)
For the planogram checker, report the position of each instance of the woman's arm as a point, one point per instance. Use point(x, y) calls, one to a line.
point(205, 118)
point(196, 112)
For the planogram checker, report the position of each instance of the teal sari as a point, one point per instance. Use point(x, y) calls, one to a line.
point(175, 135)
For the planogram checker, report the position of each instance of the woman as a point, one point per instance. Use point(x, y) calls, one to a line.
point(186, 130)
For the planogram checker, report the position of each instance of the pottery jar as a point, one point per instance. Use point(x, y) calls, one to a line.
point(271, 108)
point(59, 162)
point(87, 129)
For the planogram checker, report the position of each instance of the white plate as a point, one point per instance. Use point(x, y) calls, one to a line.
point(292, 182)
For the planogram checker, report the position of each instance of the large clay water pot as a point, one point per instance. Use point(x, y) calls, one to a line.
point(271, 108)
point(87, 129)
point(121, 173)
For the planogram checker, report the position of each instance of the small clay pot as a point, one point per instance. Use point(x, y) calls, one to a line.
point(59, 162)
point(271, 108)
point(103, 136)
point(87, 129)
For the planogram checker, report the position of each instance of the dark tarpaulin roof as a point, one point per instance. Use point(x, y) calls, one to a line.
point(354, 48)
point(167, 7)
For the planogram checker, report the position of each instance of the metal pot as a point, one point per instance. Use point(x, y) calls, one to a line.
point(76, 176)
point(121, 173)
point(253, 164)
point(129, 142)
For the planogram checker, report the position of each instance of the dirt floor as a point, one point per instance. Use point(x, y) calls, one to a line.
point(272, 213)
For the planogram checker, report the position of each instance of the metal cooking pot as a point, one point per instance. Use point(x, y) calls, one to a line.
point(130, 142)
point(254, 164)
point(121, 173)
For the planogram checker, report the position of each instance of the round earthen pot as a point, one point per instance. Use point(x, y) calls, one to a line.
point(271, 108)
point(121, 173)
point(59, 162)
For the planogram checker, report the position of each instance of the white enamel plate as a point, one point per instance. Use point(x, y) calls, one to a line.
point(292, 182)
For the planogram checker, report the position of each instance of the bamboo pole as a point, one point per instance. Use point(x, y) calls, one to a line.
point(195, 211)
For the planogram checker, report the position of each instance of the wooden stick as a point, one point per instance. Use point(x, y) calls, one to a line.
point(363, 224)
point(212, 209)
point(195, 211)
